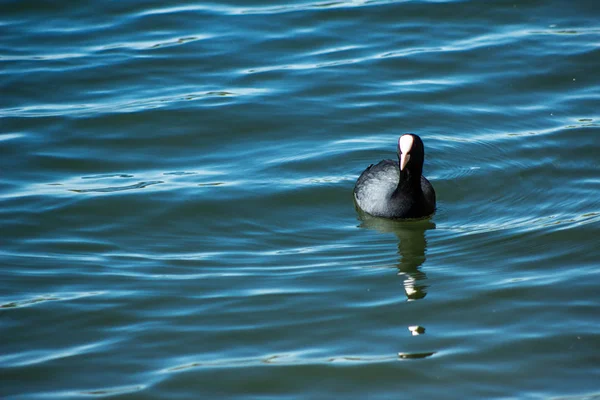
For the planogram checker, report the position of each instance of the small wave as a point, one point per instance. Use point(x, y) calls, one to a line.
point(126, 105)
point(111, 189)
point(107, 176)
point(28, 302)
point(283, 359)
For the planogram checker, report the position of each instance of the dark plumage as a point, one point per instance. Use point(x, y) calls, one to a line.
point(384, 190)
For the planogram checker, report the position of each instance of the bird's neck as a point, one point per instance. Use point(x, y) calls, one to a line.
point(410, 181)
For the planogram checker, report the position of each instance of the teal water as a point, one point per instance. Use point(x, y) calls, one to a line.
point(176, 213)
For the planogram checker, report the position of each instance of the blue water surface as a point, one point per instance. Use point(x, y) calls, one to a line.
point(176, 209)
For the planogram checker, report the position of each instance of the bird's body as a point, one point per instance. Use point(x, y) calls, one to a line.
point(392, 189)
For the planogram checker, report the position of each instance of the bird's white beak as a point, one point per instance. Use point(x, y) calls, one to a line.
point(404, 160)
point(405, 144)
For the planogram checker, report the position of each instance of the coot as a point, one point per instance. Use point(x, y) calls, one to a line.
point(393, 189)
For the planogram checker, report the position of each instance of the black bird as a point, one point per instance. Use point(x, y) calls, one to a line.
point(393, 189)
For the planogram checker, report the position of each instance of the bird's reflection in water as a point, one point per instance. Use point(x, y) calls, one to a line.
point(412, 246)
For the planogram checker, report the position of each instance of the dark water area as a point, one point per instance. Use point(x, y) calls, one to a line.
point(176, 209)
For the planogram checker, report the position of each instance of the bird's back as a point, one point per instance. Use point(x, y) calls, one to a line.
point(375, 186)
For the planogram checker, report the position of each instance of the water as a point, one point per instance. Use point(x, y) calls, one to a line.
point(176, 205)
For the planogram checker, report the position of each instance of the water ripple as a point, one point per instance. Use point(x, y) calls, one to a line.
point(62, 296)
point(176, 206)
